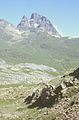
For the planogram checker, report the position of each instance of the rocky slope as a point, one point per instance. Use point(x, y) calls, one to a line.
point(62, 99)
point(53, 101)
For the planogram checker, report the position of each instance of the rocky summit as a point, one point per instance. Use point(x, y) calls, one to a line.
point(37, 22)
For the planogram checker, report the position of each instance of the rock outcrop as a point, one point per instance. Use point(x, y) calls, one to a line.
point(48, 96)
point(75, 74)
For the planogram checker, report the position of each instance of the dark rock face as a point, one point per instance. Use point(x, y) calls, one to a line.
point(44, 98)
point(75, 74)
point(23, 25)
point(49, 95)
point(35, 17)
point(37, 22)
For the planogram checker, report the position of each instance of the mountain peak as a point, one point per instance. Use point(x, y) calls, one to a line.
point(37, 22)
point(24, 18)
point(23, 25)
point(35, 15)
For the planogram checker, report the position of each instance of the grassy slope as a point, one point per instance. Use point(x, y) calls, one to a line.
point(60, 53)
point(12, 106)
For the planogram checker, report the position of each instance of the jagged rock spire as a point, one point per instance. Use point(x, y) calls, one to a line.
point(37, 22)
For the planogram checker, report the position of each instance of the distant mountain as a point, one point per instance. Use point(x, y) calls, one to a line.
point(34, 45)
point(8, 31)
point(6, 26)
point(37, 22)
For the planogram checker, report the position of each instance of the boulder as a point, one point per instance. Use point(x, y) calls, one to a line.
point(68, 83)
point(45, 97)
point(33, 97)
point(49, 94)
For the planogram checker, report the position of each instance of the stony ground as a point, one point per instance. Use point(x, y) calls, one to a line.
point(67, 109)
point(13, 107)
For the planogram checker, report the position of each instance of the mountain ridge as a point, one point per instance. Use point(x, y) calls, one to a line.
point(37, 22)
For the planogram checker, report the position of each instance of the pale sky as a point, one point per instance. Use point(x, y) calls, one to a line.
point(62, 13)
